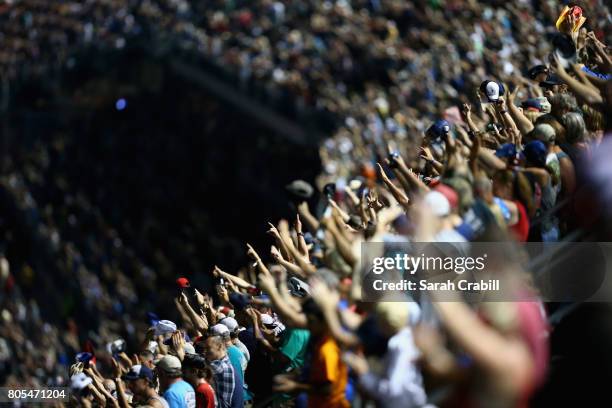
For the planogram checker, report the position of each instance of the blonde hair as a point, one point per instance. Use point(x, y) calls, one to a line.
point(532, 115)
point(395, 314)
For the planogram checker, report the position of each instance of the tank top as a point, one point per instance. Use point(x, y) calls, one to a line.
point(161, 400)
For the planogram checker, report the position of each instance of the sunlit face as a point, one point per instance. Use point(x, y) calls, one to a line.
point(213, 349)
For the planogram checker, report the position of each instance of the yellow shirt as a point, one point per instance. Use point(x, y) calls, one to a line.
point(327, 367)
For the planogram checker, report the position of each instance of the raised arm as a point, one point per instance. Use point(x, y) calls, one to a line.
point(285, 311)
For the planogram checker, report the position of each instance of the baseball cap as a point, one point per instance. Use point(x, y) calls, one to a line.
point(189, 349)
point(239, 301)
point(230, 323)
point(267, 320)
point(439, 128)
point(506, 150)
point(164, 326)
point(493, 90)
point(79, 381)
point(450, 194)
point(550, 81)
point(169, 364)
point(219, 330)
point(535, 151)
point(544, 132)
point(463, 188)
point(537, 70)
point(138, 371)
point(300, 188)
point(438, 203)
point(183, 283)
point(532, 104)
point(84, 357)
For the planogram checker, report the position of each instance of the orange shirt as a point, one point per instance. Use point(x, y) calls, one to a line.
point(327, 367)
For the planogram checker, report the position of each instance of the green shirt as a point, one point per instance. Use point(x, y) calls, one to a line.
point(294, 345)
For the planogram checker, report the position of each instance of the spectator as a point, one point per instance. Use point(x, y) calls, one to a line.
point(176, 391)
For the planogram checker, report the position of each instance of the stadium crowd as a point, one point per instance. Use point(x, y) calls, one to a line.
point(460, 122)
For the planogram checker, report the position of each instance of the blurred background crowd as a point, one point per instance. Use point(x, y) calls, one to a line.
point(438, 121)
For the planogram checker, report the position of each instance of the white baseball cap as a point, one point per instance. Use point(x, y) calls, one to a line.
point(79, 381)
point(219, 330)
point(230, 323)
point(164, 326)
point(438, 204)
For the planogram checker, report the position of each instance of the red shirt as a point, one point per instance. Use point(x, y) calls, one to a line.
point(205, 396)
point(521, 228)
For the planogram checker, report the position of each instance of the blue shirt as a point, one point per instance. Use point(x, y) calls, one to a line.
point(236, 357)
point(180, 395)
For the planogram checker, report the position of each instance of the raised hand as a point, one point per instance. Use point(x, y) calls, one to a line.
point(252, 253)
point(266, 282)
point(276, 254)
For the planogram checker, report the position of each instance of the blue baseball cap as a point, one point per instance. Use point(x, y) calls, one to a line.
point(532, 104)
point(439, 128)
point(536, 152)
point(84, 357)
point(506, 150)
point(137, 372)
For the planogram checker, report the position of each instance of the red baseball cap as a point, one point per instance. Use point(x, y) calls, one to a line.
point(183, 283)
point(450, 194)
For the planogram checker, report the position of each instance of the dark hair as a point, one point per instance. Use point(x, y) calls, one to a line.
point(521, 189)
point(146, 355)
point(309, 307)
point(200, 366)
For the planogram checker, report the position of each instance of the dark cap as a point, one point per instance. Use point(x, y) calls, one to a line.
point(138, 371)
point(551, 81)
point(300, 188)
point(537, 70)
point(439, 128)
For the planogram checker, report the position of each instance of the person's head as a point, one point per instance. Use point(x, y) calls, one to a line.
point(535, 153)
point(146, 358)
point(532, 115)
point(139, 380)
point(392, 316)
point(551, 120)
point(562, 103)
point(221, 331)
point(538, 73)
point(232, 325)
point(575, 127)
point(437, 131)
point(195, 368)
point(511, 185)
point(314, 315)
point(213, 348)
point(507, 152)
point(169, 369)
point(552, 86)
point(544, 133)
point(593, 119)
point(439, 206)
point(451, 196)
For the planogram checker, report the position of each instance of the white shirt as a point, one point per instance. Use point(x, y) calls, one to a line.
point(400, 383)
